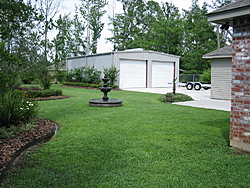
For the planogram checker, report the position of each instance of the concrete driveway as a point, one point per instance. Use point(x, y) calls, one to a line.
point(201, 98)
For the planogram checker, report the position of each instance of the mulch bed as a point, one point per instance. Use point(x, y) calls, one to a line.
point(10, 146)
point(52, 97)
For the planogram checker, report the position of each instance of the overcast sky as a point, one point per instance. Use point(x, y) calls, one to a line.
point(103, 46)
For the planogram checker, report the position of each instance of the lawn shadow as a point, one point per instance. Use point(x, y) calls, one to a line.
point(223, 125)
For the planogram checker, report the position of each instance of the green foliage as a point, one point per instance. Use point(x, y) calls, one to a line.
point(13, 130)
point(15, 17)
point(178, 97)
point(81, 84)
point(92, 12)
point(15, 108)
point(91, 75)
point(112, 73)
point(206, 77)
point(76, 75)
point(84, 74)
point(45, 78)
point(9, 67)
point(199, 38)
point(220, 3)
point(60, 76)
point(42, 93)
point(28, 77)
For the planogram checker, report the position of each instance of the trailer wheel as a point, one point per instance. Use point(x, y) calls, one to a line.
point(197, 87)
point(189, 86)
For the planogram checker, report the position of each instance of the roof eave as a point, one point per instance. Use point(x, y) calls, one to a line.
point(228, 15)
point(216, 56)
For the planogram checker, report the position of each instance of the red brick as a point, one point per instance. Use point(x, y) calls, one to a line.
point(246, 102)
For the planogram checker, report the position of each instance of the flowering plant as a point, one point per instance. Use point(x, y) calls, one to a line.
point(16, 109)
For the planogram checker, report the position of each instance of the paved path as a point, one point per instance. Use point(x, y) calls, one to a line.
point(201, 98)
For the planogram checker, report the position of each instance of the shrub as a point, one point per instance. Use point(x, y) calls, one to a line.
point(9, 68)
point(44, 78)
point(60, 75)
point(88, 85)
point(92, 75)
point(15, 109)
point(75, 75)
point(112, 73)
point(42, 93)
point(28, 77)
point(25, 88)
point(178, 97)
point(206, 77)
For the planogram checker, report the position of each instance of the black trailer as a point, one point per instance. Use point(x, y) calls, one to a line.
point(198, 85)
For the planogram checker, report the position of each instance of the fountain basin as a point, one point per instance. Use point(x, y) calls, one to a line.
point(105, 103)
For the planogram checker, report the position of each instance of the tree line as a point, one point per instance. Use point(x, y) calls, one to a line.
point(26, 49)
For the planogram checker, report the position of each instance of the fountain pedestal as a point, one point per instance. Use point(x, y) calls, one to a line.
point(105, 101)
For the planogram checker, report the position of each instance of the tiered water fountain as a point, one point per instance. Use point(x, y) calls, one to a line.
point(105, 101)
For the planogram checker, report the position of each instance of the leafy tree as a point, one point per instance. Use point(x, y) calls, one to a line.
point(167, 26)
point(77, 45)
point(92, 12)
point(15, 19)
point(62, 41)
point(206, 76)
point(148, 25)
point(9, 66)
point(199, 38)
point(47, 10)
point(220, 3)
point(15, 22)
point(127, 25)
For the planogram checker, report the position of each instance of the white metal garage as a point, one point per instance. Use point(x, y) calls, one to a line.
point(138, 68)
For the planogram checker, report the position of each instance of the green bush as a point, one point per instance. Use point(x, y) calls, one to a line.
point(92, 75)
point(112, 73)
point(206, 77)
point(178, 97)
point(42, 93)
point(60, 75)
point(88, 85)
point(27, 77)
point(15, 109)
point(84, 74)
point(44, 78)
point(75, 75)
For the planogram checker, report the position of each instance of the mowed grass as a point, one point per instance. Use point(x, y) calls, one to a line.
point(144, 143)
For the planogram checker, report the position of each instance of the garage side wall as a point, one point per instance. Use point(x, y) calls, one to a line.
point(221, 79)
point(76, 62)
point(99, 61)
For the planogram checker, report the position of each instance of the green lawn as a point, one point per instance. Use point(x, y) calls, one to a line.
point(144, 143)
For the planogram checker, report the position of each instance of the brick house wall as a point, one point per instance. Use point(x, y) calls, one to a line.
point(240, 98)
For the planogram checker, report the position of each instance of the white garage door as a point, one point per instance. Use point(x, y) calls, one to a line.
point(162, 74)
point(132, 74)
